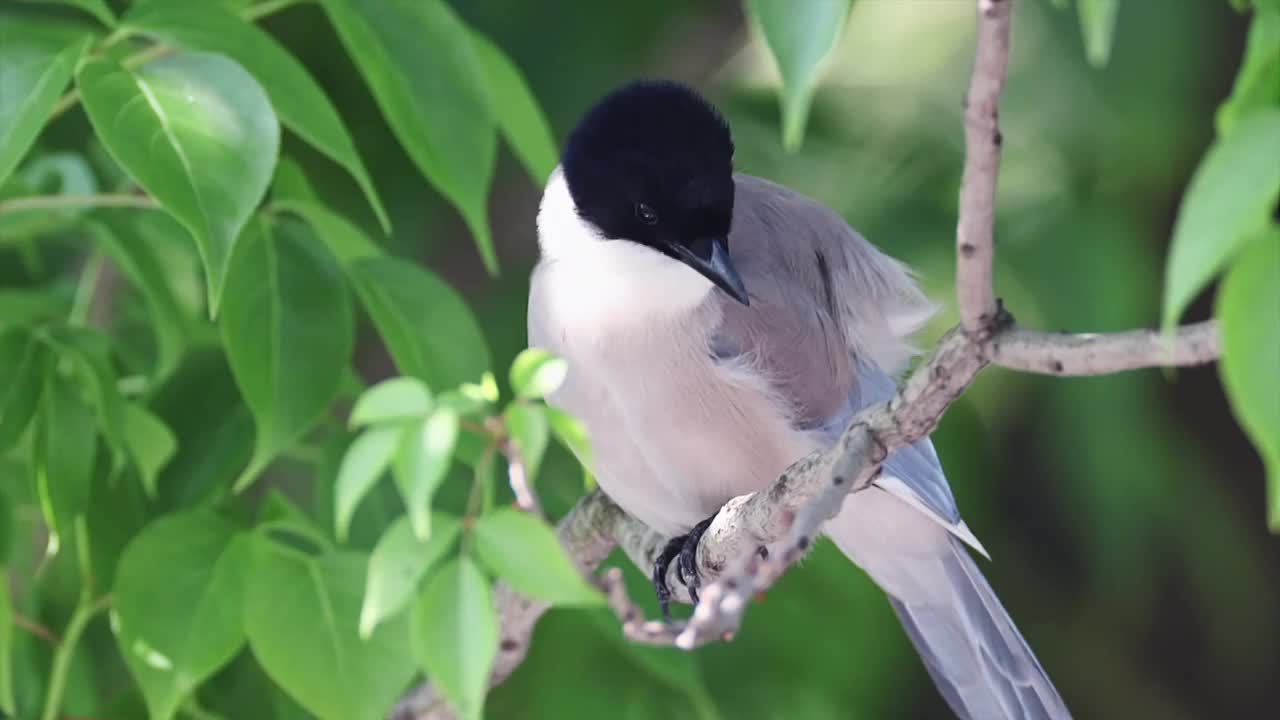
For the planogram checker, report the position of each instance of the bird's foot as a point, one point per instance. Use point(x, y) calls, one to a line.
point(684, 550)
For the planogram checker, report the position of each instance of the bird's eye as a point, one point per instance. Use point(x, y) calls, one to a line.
point(646, 214)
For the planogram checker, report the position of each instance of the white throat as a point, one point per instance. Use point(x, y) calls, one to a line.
point(607, 275)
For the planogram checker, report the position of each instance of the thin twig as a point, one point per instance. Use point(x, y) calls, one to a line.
point(975, 229)
point(50, 202)
point(518, 477)
point(37, 629)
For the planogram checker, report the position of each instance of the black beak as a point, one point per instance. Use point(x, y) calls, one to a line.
point(710, 257)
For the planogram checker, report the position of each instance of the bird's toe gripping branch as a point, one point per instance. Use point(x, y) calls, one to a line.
point(684, 550)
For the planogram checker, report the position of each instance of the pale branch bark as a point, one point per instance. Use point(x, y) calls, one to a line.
point(755, 538)
point(975, 228)
point(1099, 354)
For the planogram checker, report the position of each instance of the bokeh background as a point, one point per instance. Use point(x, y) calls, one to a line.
point(1124, 514)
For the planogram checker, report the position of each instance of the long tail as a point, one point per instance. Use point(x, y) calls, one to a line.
point(971, 648)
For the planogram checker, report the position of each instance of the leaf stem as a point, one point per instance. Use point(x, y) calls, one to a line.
point(85, 611)
point(47, 202)
point(86, 288)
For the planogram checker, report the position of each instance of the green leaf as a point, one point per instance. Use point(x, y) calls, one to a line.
point(296, 96)
point(202, 405)
point(429, 330)
point(530, 429)
point(1230, 197)
point(23, 362)
point(346, 241)
point(421, 65)
point(291, 183)
point(519, 117)
point(422, 462)
point(525, 551)
point(7, 702)
point(288, 333)
point(399, 563)
point(1257, 83)
point(178, 603)
point(1098, 25)
point(90, 355)
point(151, 444)
point(280, 513)
point(198, 133)
point(402, 398)
point(301, 618)
point(362, 466)
point(145, 270)
point(37, 64)
point(572, 433)
point(1248, 309)
point(800, 36)
point(66, 444)
point(455, 635)
point(536, 373)
point(97, 8)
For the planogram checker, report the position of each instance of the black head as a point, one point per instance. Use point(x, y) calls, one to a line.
point(652, 163)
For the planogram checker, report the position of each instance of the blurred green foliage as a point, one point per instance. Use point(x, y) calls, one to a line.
point(1123, 512)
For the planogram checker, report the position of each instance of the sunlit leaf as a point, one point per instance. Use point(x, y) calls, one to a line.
point(428, 328)
point(1098, 25)
point(1257, 83)
point(198, 133)
point(37, 64)
point(536, 373)
point(399, 563)
point(519, 117)
point(362, 466)
point(178, 601)
point(421, 464)
point(800, 35)
point(1230, 197)
point(301, 617)
point(524, 551)
point(572, 433)
point(455, 635)
point(528, 426)
point(288, 330)
point(1249, 311)
point(401, 398)
point(420, 63)
point(296, 96)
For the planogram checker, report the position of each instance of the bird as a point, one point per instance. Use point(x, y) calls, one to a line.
point(717, 327)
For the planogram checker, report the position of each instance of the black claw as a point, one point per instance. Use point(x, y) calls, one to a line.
point(660, 566)
point(688, 561)
point(684, 550)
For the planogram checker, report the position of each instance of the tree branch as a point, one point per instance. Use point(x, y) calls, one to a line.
point(975, 229)
point(1094, 354)
point(756, 537)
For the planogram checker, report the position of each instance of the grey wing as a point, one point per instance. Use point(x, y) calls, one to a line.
point(830, 317)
